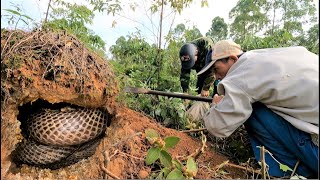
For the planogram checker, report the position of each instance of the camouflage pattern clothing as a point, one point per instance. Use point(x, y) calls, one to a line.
point(205, 80)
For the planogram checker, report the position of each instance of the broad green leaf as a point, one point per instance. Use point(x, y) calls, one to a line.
point(285, 168)
point(151, 133)
point(191, 165)
point(165, 159)
point(152, 155)
point(163, 173)
point(171, 141)
point(175, 174)
point(177, 164)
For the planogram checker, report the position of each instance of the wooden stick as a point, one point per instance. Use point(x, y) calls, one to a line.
point(168, 94)
point(126, 154)
point(105, 162)
point(244, 168)
point(219, 166)
point(295, 168)
point(226, 163)
point(263, 162)
point(199, 150)
point(108, 172)
point(193, 130)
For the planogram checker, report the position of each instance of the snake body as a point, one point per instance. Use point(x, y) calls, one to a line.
point(58, 138)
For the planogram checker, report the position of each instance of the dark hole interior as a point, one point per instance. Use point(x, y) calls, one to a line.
point(26, 110)
point(29, 108)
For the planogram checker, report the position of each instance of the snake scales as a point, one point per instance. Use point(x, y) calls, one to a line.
point(58, 138)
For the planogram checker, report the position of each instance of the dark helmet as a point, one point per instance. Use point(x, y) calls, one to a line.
point(187, 55)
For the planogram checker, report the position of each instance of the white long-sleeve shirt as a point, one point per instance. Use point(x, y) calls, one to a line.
point(286, 80)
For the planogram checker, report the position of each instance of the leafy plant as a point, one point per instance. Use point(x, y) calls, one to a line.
point(170, 168)
point(134, 62)
point(283, 167)
point(15, 16)
point(74, 18)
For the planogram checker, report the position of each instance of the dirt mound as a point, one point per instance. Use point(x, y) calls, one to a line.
point(42, 69)
point(122, 154)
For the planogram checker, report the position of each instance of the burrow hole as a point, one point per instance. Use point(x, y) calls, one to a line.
point(32, 107)
point(25, 111)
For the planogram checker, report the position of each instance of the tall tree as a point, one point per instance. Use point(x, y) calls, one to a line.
point(296, 14)
point(271, 18)
point(312, 39)
point(291, 15)
point(248, 18)
point(218, 30)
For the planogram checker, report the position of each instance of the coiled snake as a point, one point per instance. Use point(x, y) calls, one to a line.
point(58, 138)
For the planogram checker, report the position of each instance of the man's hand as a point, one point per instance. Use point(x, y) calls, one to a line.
point(186, 102)
point(217, 99)
point(204, 93)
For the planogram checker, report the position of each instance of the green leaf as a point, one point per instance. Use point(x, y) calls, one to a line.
point(285, 168)
point(151, 133)
point(152, 155)
point(171, 141)
point(28, 17)
point(177, 164)
point(165, 159)
point(13, 11)
point(191, 165)
point(163, 173)
point(175, 174)
point(24, 21)
point(157, 111)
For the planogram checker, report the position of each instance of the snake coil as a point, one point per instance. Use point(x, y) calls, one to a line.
point(58, 138)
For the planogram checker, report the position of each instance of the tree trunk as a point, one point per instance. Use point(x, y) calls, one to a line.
point(159, 46)
point(45, 20)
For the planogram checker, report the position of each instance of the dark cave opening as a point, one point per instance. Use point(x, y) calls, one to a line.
point(84, 150)
point(26, 110)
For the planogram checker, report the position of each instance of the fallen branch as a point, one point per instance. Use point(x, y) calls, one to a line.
point(198, 151)
point(108, 172)
point(226, 163)
point(105, 163)
point(194, 154)
point(219, 166)
point(295, 168)
point(126, 154)
point(244, 168)
point(193, 130)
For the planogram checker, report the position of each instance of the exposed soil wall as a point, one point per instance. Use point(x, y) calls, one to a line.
point(51, 67)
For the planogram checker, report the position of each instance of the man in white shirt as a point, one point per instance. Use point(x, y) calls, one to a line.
point(275, 93)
